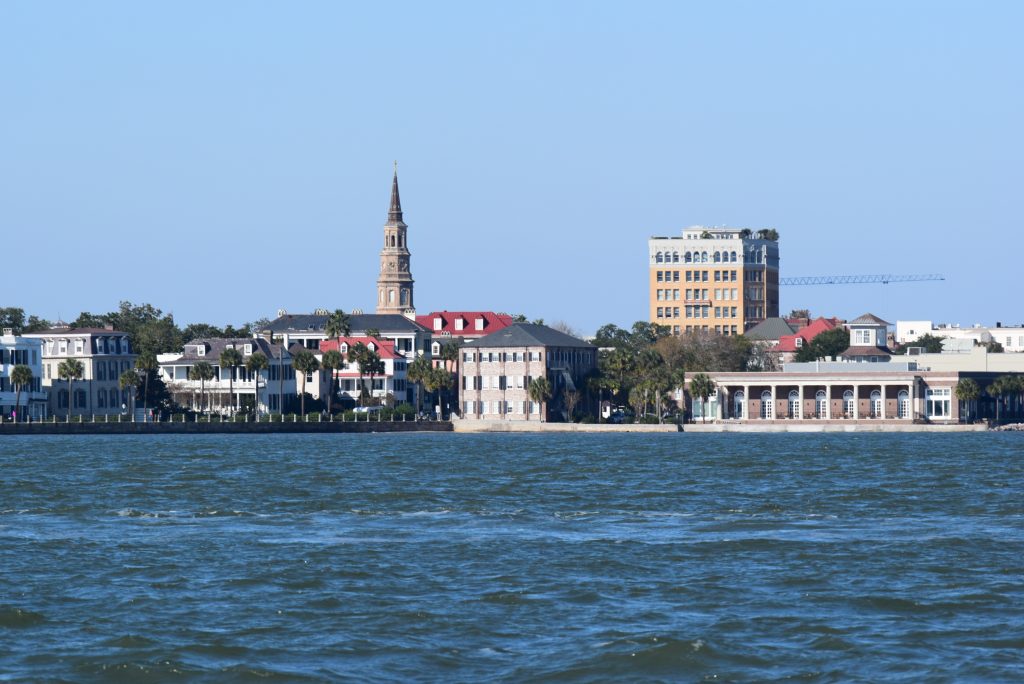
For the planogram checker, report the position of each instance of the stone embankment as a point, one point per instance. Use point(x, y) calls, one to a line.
point(537, 426)
point(168, 428)
point(1012, 427)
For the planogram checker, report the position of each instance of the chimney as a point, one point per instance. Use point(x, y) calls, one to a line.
point(999, 324)
point(8, 332)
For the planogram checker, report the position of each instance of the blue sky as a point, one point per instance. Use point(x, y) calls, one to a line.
point(223, 160)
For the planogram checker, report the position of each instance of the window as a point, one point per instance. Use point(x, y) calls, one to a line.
point(689, 276)
point(863, 338)
point(937, 402)
point(675, 276)
point(659, 258)
point(821, 403)
point(201, 350)
point(661, 277)
point(794, 404)
point(675, 257)
point(767, 405)
point(848, 403)
point(903, 404)
point(248, 349)
point(876, 404)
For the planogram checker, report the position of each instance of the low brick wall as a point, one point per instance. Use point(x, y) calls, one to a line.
point(218, 428)
point(833, 426)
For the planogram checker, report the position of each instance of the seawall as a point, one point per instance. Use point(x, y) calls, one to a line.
point(537, 426)
point(219, 428)
point(845, 426)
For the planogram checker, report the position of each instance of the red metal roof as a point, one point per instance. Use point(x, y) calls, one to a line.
point(491, 322)
point(384, 348)
point(787, 343)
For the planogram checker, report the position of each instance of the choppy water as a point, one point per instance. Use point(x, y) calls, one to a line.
point(444, 557)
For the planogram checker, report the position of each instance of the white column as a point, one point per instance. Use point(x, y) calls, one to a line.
point(885, 392)
point(746, 401)
point(828, 402)
point(775, 406)
point(856, 402)
point(799, 413)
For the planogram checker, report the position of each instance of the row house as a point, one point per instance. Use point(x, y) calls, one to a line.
point(393, 381)
point(31, 400)
point(105, 354)
point(270, 390)
point(497, 371)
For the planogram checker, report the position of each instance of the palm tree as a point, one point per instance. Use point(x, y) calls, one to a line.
point(438, 380)
point(357, 355)
point(338, 325)
point(450, 354)
point(967, 391)
point(417, 372)
point(201, 371)
point(129, 379)
point(540, 392)
point(256, 364)
point(21, 376)
point(331, 362)
point(70, 370)
point(304, 362)
point(146, 363)
point(372, 366)
point(231, 359)
point(701, 387)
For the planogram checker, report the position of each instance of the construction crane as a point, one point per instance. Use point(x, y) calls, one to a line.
point(885, 279)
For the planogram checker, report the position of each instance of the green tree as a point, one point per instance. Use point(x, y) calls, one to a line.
point(129, 381)
point(932, 344)
point(200, 331)
point(967, 391)
point(539, 391)
point(12, 317)
point(439, 380)
point(231, 359)
point(338, 325)
point(417, 372)
point(332, 361)
point(256, 364)
point(825, 345)
point(70, 370)
point(701, 387)
point(372, 366)
point(147, 363)
point(357, 354)
point(304, 362)
point(201, 371)
point(373, 332)
point(21, 377)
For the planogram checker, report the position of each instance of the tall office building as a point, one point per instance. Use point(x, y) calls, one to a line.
point(723, 280)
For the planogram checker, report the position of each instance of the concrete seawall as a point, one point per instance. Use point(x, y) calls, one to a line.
point(218, 428)
point(537, 426)
point(845, 426)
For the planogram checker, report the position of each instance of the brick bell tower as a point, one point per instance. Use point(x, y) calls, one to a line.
point(394, 285)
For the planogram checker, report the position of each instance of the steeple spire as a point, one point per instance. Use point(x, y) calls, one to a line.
point(395, 212)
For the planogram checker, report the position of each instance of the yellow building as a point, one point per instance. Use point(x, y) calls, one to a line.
point(723, 280)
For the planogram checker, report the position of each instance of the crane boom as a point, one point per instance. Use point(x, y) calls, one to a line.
point(885, 279)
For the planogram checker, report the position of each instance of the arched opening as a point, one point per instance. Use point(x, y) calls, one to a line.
point(794, 404)
point(848, 403)
point(688, 258)
point(876, 404)
point(704, 257)
point(821, 403)
point(738, 401)
point(675, 257)
point(767, 405)
point(903, 404)
point(391, 296)
point(718, 257)
point(732, 257)
point(659, 258)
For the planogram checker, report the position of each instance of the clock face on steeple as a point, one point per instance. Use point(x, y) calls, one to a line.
point(395, 284)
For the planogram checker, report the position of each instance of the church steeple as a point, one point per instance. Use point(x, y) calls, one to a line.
point(395, 211)
point(395, 283)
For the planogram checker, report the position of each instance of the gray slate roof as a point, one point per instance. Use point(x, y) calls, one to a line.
point(216, 345)
point(770, 329)
point(528, 335)
point(386, 323)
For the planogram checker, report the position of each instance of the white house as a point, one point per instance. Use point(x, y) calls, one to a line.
point(270, 389)
point(32, 400)
point(392, 381)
